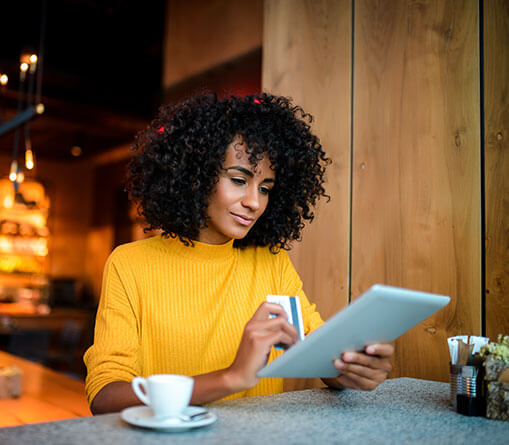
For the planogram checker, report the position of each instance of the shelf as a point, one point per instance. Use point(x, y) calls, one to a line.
point(31, 217)
point(22, 263)
point(24, 237)
point(18, 245)
point(8, 279)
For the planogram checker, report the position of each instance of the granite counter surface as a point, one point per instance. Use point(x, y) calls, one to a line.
point(399, 411)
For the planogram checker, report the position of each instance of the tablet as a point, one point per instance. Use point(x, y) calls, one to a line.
point(380, 315)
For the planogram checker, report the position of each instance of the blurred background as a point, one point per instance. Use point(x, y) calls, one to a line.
point(101, 74)
point(410, 100)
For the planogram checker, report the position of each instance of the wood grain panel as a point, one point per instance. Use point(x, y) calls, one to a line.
point(416, 166)
point(496, 109)
point(203, 34)
point(307, 57)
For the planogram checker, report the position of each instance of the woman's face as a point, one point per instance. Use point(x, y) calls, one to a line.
point(239, 198)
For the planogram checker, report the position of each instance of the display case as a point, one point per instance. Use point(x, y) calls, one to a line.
point(24, 238)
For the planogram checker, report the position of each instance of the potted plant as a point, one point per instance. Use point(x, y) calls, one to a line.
point(496, 363)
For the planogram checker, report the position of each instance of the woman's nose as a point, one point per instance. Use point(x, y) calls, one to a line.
point(251, 198)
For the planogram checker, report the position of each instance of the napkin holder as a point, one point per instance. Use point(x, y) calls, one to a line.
point(467, 389)
point(10, 382)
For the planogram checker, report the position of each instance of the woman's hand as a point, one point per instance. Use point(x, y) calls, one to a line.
point(363, 370)
point(260, 333)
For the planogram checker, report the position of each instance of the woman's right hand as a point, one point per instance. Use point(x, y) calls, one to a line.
point(260, 334)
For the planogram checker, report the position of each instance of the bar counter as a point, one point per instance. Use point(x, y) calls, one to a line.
point(47, 395)
point(399, 411)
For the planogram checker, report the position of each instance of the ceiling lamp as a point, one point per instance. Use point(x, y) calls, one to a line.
point(28, 105)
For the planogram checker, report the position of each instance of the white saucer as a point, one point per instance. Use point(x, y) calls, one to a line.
point(143, 416)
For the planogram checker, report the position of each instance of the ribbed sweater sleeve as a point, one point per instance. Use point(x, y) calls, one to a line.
point(114, 355)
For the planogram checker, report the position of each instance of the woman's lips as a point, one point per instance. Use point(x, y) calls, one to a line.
point(242, 219)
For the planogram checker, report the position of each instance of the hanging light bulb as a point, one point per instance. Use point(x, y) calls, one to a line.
point(29, 159)
point(33, 63)
point(14, 171)
point(29, 154)
point(20, 177)
point(4, 79)
point(23, 70)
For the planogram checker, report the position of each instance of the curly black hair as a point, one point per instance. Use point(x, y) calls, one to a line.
point(178, 159)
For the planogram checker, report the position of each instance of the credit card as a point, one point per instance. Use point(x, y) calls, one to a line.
point(291, 305)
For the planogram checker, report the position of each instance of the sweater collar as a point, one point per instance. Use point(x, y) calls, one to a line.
point(201, 251)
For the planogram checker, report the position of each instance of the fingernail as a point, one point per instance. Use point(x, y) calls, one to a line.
point(347, 356)
point(371, 349)
point(339, 364)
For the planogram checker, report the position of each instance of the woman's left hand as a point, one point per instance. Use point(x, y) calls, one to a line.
point(363, 370)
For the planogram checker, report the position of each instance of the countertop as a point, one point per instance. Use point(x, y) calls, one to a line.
point(399, 411)
point(47, 395)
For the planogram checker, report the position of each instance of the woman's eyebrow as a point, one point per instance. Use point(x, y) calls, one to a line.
point(248, 172)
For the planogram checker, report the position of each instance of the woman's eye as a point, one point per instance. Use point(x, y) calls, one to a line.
point(238, 181)
point(265, 190)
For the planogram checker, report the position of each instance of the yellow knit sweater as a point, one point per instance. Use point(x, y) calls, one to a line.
point(168, 308)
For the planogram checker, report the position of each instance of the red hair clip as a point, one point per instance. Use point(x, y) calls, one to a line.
point(160, 130)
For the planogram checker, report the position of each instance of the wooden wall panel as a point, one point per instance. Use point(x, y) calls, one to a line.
point(416, 166)
point(496, 107)
point(307, 57)
point(69, 186)
point(203, 34)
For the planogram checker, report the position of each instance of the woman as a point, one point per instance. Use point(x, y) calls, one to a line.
point(229, 184)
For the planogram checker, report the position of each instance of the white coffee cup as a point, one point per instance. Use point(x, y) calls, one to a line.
point(167, 394)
